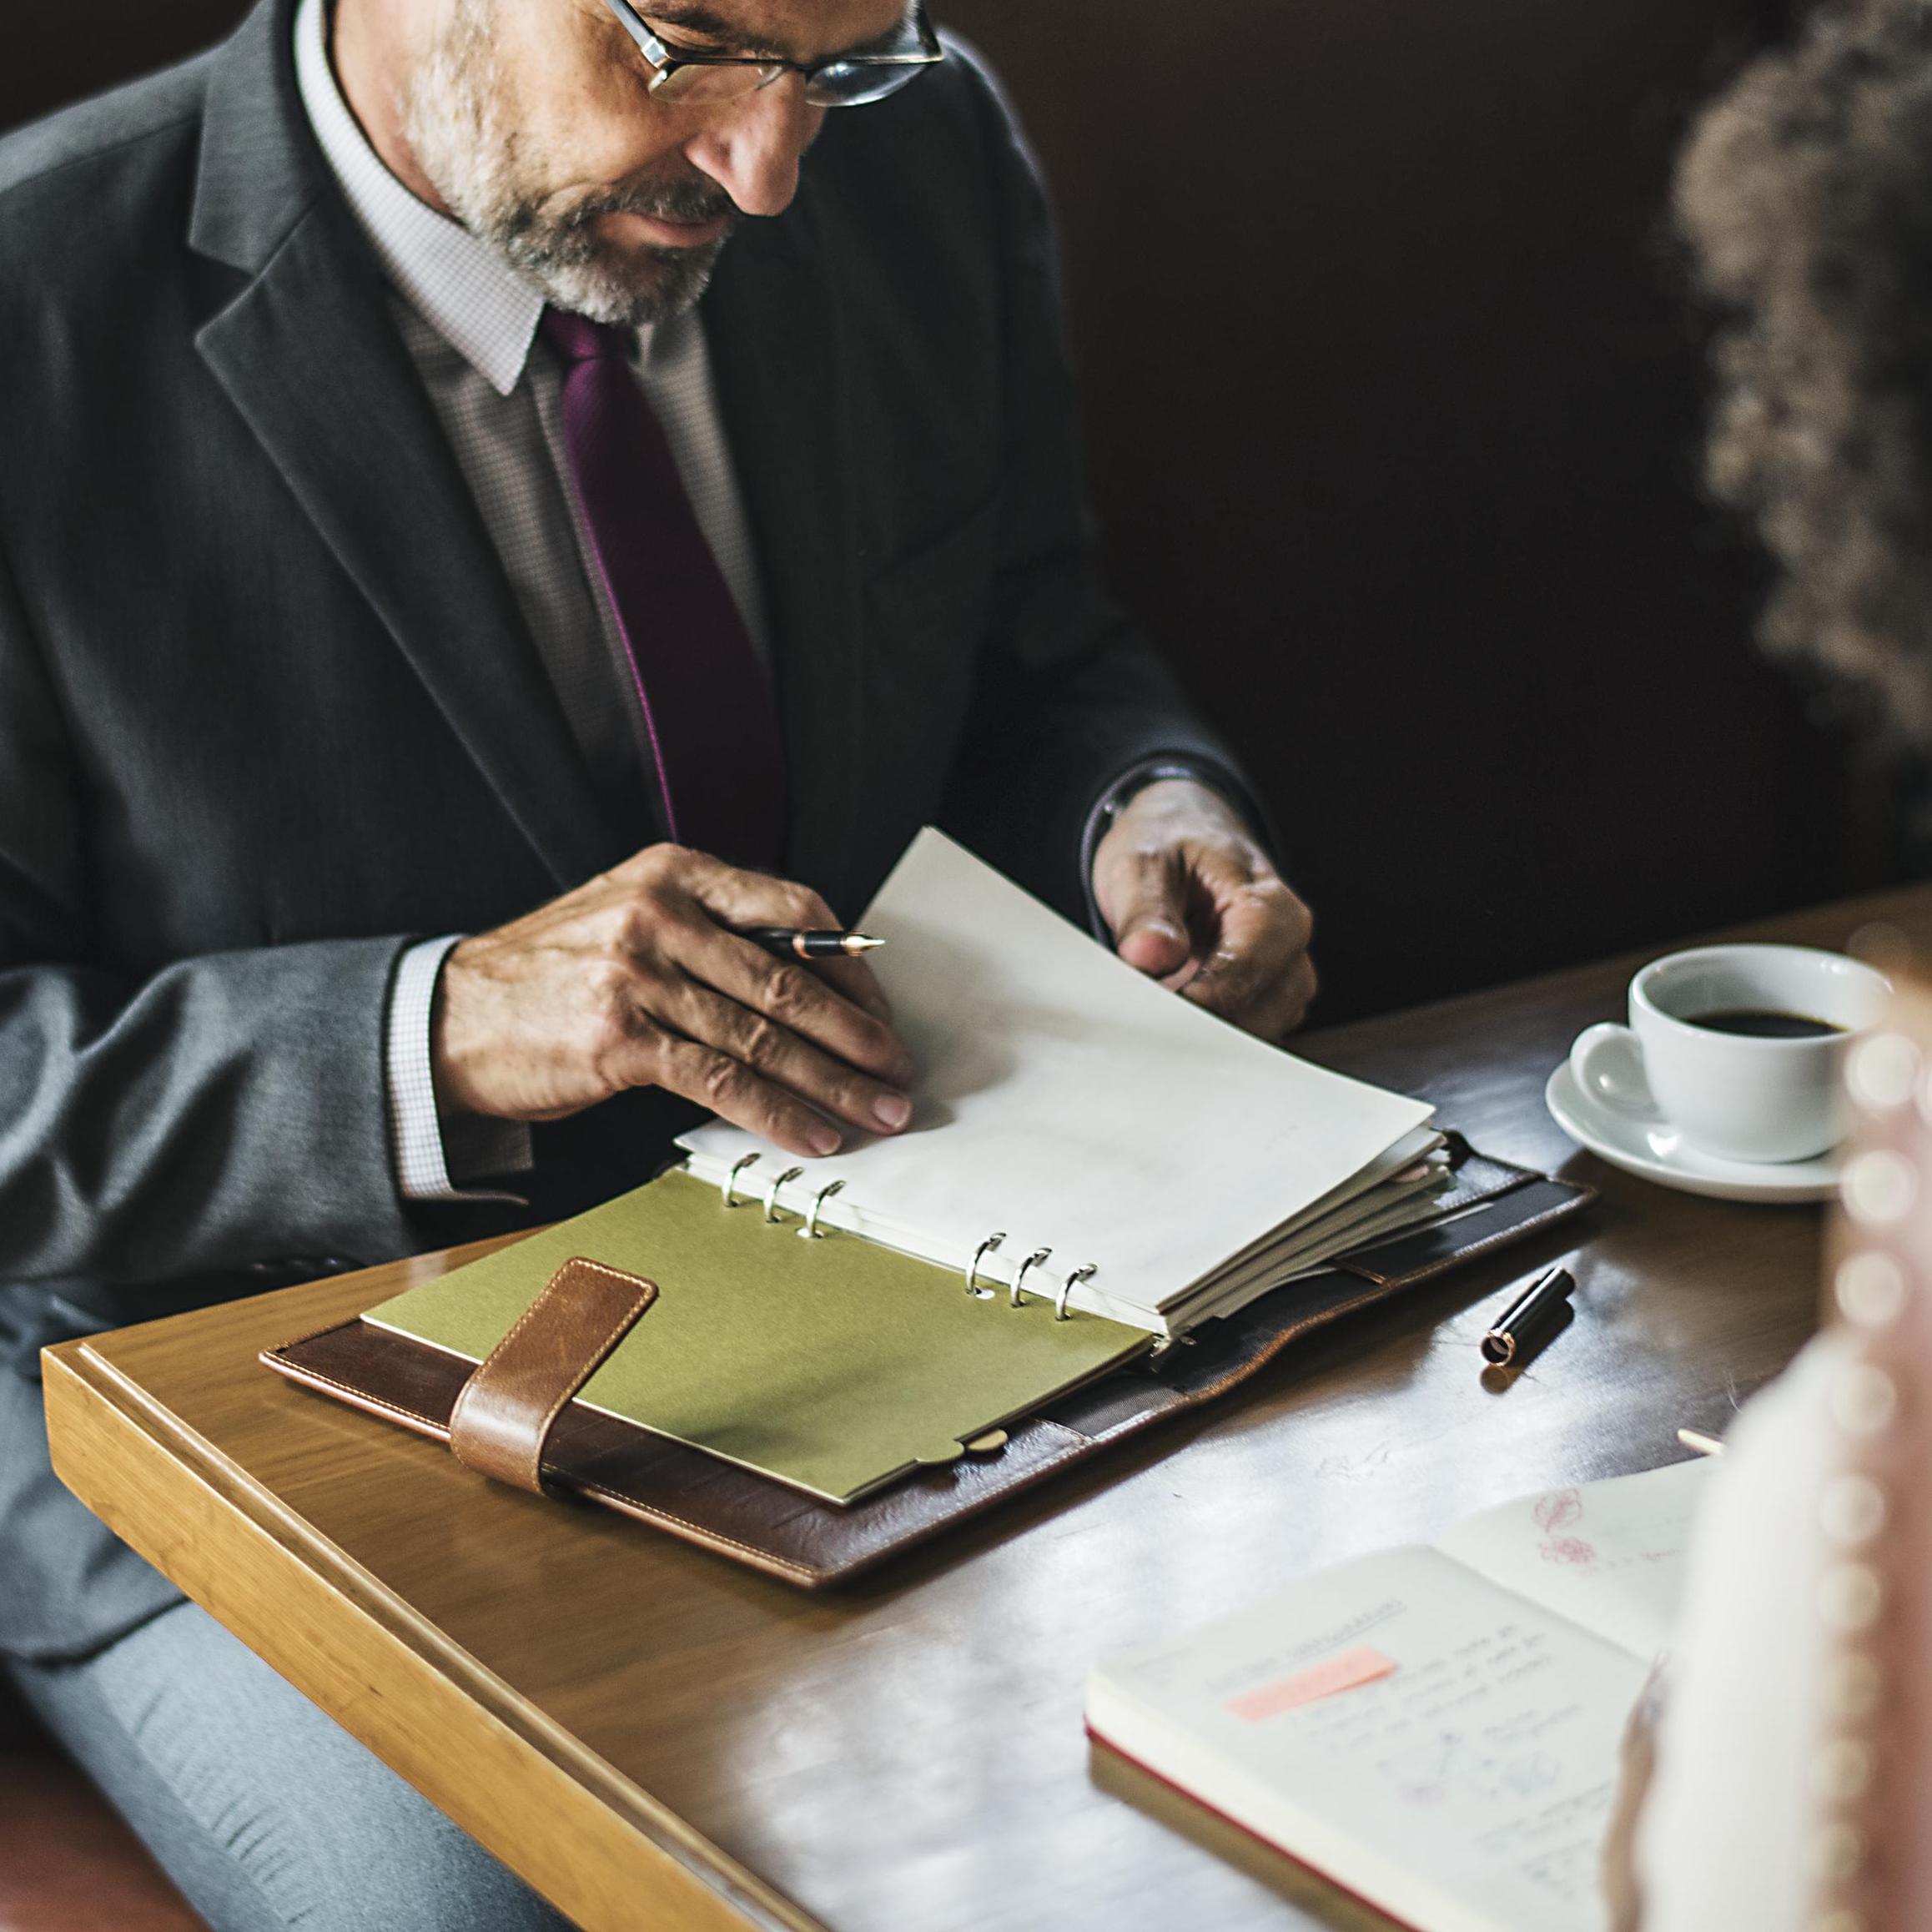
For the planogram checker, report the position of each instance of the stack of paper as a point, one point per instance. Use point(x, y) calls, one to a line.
point(1173, 1166)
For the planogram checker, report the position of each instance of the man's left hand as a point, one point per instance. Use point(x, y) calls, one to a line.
point(1193, 900)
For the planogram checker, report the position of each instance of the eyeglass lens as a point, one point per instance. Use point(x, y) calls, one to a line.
point(689, 82)
point(842, 83)
point(856, 83)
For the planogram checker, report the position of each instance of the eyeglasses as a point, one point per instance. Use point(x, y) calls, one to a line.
point(848, 80)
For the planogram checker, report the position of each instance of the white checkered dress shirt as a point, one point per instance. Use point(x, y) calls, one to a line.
point(470, 321)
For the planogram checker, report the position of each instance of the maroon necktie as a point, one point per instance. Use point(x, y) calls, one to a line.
point(706, 698)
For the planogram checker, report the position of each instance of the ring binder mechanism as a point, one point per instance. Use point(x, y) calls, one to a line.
point(979, 1255)
point(784, 1179)
point(980, 1290)
point(810, 1232)
point(1026, 1267)
point(1085, 1272)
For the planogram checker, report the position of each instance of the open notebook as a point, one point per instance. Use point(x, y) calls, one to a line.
point(1083, 1113)
point(1438, 1729)
point(1144, 1162)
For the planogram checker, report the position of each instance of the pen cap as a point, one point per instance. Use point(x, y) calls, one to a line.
point(1530, 1318)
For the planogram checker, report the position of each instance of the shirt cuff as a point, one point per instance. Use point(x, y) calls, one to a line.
point(431, 1158)
point(1137, 778)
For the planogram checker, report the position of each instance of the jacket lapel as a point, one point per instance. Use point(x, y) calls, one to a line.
point(772, 323)
point(310, 358)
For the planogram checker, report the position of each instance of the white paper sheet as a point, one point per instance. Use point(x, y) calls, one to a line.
point(1073, 1104)
point(1607, 1555)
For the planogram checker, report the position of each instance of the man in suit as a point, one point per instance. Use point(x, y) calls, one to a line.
point(394, 542)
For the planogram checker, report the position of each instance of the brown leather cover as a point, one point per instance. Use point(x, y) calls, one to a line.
point(780, 1530)
point(503, 1415)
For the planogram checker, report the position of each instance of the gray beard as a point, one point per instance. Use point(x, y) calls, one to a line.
point(453, 114)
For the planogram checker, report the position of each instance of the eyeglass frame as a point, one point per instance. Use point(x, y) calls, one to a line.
point(664, 62)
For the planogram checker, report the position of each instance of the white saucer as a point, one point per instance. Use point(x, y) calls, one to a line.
point(1649, 1145)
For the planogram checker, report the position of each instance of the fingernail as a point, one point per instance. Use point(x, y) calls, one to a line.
point(894, 1109)
point(824, 1140)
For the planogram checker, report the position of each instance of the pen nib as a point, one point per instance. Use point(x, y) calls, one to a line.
point(860, 941)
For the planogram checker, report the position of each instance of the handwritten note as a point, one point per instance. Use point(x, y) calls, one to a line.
point(1464, 1780)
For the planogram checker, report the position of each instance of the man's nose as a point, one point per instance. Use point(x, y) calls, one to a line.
point(752, 148)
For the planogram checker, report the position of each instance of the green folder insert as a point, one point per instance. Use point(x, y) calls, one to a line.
point(832, 1364)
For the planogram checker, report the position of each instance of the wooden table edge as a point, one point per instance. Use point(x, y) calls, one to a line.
point(600, 1848)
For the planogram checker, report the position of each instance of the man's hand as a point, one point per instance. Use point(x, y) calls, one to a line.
point(634, 980)
point(1194, 902)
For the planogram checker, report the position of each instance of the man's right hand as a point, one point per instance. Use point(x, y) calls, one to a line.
point(637, 980)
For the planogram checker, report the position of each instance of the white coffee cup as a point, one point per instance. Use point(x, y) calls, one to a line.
point(1741, 1096)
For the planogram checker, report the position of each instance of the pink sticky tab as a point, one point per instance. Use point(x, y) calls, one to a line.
point(1348, 1671)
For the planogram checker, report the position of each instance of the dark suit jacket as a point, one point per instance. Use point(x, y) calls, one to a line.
point(268, 712)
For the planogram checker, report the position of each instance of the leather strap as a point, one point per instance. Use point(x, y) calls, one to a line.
point(507, 1408)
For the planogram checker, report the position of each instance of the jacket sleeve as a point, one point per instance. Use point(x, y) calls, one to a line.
point(1068, 695)
point(224, 1111)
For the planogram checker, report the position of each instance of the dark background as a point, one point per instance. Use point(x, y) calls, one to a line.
point(1392, 403)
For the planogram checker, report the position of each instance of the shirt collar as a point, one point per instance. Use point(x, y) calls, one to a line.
point(473, 299)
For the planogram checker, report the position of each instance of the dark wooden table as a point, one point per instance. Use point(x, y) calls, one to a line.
point(656, 1737)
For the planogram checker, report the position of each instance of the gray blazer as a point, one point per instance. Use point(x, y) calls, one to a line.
point(268, 712)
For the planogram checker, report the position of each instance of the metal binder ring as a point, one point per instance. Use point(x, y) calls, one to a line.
point(790, 1174)
point(810, 1232)
point(979, 1255)
point(1067, 1286)
point(730, 1180)
point(1033, 1260)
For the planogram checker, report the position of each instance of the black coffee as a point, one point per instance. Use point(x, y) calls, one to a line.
point(1763, 1023)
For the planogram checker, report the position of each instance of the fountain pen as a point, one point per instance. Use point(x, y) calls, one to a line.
point(797, 942)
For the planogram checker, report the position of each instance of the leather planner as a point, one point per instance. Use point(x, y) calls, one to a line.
point(527, 1409)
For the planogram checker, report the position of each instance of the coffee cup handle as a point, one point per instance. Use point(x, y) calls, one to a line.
point(1606, 1062)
